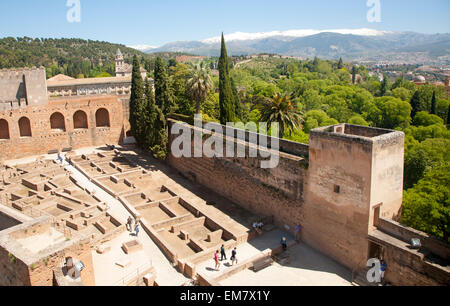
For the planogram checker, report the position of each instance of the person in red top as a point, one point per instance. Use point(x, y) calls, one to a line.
point(216, 259)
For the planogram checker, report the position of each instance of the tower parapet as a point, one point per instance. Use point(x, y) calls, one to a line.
point(355, 177)
point(24, 87)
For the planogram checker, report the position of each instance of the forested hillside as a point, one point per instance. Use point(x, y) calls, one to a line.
point(77, 58)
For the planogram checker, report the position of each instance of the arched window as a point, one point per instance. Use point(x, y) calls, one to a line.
point(25, 127)
point(4, 129)
point(57, 122)
point(102, 118)
point(80, 120)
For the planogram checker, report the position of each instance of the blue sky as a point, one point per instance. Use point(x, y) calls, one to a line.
point(155, 22)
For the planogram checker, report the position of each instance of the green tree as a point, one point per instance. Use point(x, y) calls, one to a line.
point(199, 85)
point(137, 103)
point(384, 86)
point(390, 113)
point(148, 115)
point(358, 120)
point(425, 119)
point(160, 139)
point(239, 110)
point(340, 64)
point(163, 91)
point(415, 104)
point(402, 93)
point(426, 206)
point(292, 69)
point(353, 75)
point(425, 156)
point(280, 109)
point(226, 99)
point(434, 104)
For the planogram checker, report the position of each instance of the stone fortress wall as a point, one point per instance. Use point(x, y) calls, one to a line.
point(63, 125)
point(33, 124)
point(349, 178)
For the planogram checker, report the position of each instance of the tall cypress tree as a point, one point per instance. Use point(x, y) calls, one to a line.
point(354, 75)
point(226, 98)
point(384, 86)
point(434, 104)
point(156, 129)
point(448, 115)
point(340, 64)
point(137, 102)
point(149, 114)
point(237, 101)
point(415, 103)
point(164, 96)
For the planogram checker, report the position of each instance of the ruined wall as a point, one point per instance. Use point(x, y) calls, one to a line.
point(268, 192)
point(14, 272)
point(44, 139)
point(7, 221)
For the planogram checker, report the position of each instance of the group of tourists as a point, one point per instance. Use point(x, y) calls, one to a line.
point(223, 254)
point(133, 226)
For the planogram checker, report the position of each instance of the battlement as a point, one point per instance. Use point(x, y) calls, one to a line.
point(22, 85)
point(18, 73)
point(358, 134)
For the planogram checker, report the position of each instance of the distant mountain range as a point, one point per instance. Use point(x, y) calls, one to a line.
point(359, 45)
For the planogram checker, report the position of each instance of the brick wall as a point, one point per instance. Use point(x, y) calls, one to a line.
point(268, 192)
point(44, 139)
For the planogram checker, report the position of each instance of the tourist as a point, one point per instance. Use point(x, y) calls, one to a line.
point(216, 259)
point(234, 257)
point(137, 229)
point(60, 159)
point(130, 224)
point(284, 243)
point(222, 252)
point(383, 267)
point(255, 226)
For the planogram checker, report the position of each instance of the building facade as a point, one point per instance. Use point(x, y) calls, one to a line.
point(82, 114)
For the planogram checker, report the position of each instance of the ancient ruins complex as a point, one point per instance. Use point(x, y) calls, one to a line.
point(64, 222)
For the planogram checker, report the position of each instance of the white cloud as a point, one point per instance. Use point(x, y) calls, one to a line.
point(292, 33)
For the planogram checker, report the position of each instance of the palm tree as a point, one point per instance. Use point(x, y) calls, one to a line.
point(199, 85)
point(280, 109)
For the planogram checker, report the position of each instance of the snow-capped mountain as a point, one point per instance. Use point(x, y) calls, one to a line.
point(350, 44)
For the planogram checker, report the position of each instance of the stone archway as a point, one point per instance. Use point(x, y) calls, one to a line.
point(102, 118)
point(25, 127)
point(57, 122)
point(4, 129)
point(80, 120)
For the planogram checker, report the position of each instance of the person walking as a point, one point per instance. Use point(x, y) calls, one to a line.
point(222, 253)
point(284, 243)
point(137, 229)
point(234, 257)
point(130, 224)
point(216, 259)
point(383, 267)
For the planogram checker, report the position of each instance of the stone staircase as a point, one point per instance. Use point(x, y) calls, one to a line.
point(282, 258)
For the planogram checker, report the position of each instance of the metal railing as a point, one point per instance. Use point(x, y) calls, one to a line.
point(134, 278)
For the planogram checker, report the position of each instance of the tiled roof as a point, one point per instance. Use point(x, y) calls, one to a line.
point(90, 81)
